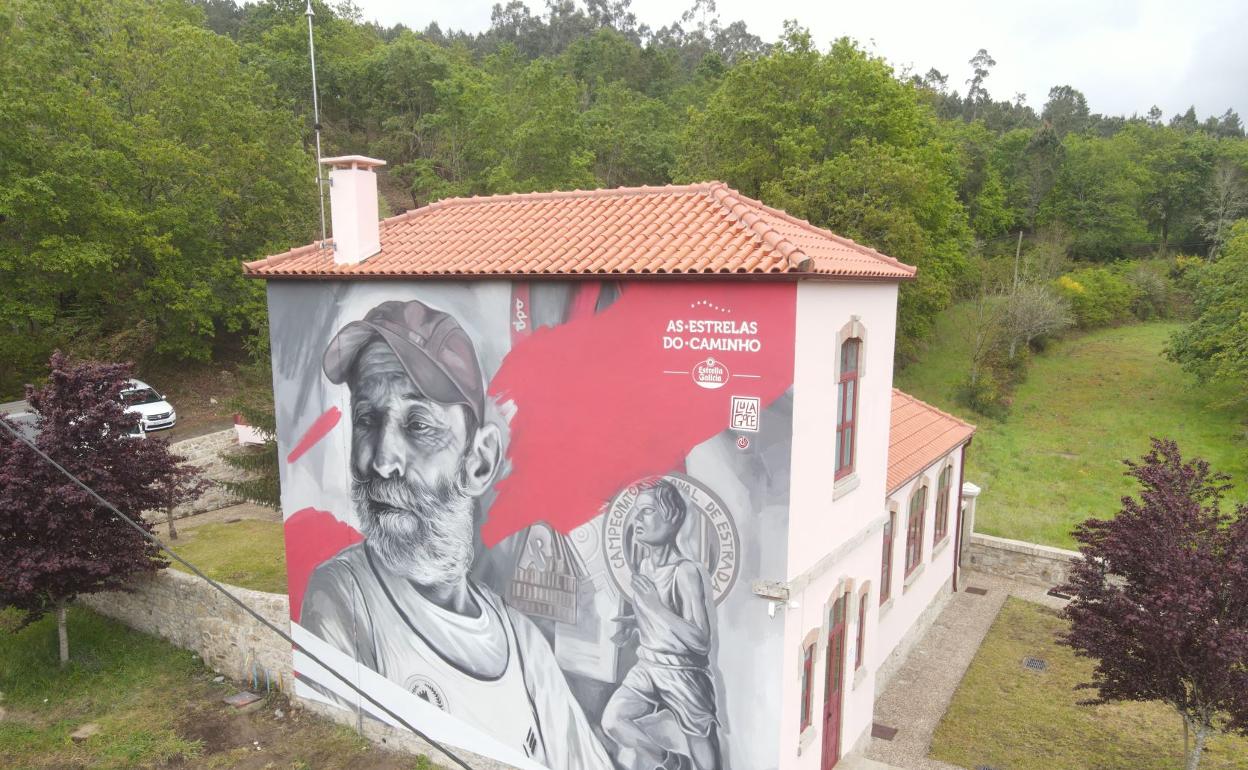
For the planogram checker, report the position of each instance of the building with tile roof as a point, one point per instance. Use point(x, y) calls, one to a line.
point(612, 478)
point(699, 229)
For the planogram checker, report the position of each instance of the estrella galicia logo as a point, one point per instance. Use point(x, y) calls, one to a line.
point(710, 374)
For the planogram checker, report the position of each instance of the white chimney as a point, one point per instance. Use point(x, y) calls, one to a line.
point(353, 207)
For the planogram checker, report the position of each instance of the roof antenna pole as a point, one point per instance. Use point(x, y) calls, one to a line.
point(316, 124)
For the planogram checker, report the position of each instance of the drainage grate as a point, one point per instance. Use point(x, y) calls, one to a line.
point(1035, 664)
point(986, 767)
point(1057, 594)
point(977, 590)
point(883, 732)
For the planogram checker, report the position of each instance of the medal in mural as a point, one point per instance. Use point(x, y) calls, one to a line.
point(710, 537)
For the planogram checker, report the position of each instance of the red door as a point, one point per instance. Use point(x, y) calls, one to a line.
point(832, 689)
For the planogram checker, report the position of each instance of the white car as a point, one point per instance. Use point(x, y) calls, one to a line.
point(155, 413)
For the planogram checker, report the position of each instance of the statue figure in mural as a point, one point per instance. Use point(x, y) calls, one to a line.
point(402, 602)
point(673, 626)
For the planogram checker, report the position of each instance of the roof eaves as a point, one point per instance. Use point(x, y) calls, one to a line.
point(255, 267)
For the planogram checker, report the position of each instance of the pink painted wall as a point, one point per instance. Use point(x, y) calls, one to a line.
point(834, 530)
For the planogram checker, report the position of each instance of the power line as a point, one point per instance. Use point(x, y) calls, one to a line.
point(257, 616)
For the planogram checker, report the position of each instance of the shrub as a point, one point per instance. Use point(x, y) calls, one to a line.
point(985, 394)
point(1152, 292)
point(1097, 295)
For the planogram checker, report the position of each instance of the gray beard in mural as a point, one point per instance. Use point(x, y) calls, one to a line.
point(423, 534)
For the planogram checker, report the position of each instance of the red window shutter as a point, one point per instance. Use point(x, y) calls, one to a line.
point(808, 663)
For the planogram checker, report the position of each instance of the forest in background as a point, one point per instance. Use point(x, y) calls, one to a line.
point(147, 148)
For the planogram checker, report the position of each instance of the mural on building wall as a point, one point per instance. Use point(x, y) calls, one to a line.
point(537, 509)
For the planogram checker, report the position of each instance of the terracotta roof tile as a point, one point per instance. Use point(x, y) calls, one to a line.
point(919, 435)
point(705, 228)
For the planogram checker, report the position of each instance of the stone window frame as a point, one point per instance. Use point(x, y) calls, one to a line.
point(921, 487)
point(939, 539)
point(806, 727)
point(888, 545)
point(853, 329)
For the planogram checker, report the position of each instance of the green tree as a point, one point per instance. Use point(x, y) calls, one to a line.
point(1066, 110)
point(1098, 193)
point(1215, 345)
point(1177, 166)
point(135, 145)
point(632, 137)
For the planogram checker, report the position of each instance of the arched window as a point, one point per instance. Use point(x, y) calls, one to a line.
point(914, 528)
point(847, 407)
point(941, 526)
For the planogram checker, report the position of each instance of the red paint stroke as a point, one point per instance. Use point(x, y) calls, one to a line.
point(312, 536)
point(595, 410)
point(323, 424)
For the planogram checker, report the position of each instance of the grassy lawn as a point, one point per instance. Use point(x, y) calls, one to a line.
point(156, 706)
point(1089, 401)
point(1006, 716)
point(247, 553)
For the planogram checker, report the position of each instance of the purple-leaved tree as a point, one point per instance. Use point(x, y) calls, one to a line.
point(56, 542)
point(1161, 597)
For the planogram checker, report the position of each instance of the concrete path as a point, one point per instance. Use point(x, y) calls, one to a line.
point(859, 762)
point(919, 694)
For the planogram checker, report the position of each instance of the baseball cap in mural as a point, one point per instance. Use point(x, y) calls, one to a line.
point(431, 346)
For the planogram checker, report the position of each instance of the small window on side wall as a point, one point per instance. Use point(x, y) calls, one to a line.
point(847, 407)
point(808, 675)
point(941, 526)
point(886, 563)
point(860, 654)
point(914, 529)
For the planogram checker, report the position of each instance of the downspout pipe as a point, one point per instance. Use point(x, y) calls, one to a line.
point(957, 555)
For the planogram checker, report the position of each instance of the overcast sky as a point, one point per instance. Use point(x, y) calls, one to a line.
point(1125, 56)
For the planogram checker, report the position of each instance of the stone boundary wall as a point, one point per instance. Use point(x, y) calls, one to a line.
point(191, 614)
point(205, 452)
point(1029, 562)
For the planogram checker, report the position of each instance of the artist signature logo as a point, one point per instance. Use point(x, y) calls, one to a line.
point(710, 374)
point(710, 538)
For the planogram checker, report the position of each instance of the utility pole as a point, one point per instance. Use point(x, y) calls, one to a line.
point(316, 124)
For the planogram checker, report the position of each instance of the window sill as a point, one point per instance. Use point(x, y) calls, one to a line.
point(804, 740)
point(939, 548)
point(886, 606)
point(844, 486)
point(859, 675)
point(913, 576)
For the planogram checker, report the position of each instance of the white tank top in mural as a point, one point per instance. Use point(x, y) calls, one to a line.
point(469, 666)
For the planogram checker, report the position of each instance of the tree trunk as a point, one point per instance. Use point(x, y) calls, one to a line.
point(1198, 747)
point(62, 635)
point(173, 530)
